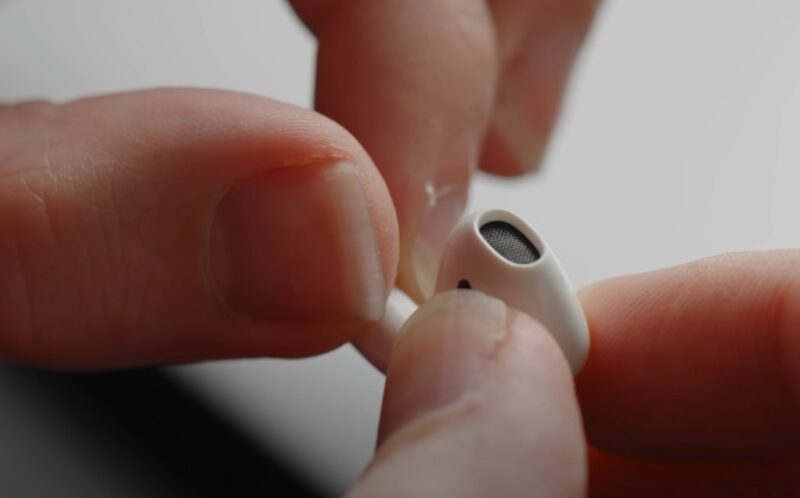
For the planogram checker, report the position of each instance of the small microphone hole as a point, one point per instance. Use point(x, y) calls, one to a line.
point(464, 284)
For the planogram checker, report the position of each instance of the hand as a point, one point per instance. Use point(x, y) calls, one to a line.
point(693, 383)
point(434, 89)
point(692, 388)
point(179, 225)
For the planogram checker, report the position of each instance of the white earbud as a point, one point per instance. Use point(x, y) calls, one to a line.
point(497, 253)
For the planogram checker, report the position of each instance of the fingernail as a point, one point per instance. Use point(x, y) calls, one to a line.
point(445, 208)
point(446, 348)
point(298, 243)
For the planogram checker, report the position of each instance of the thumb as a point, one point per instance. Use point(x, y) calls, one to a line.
point(479, 402)
point(177, 224)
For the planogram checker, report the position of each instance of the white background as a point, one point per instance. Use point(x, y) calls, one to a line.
point(680, 138)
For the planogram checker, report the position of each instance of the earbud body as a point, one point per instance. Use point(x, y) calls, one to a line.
point(497, 253)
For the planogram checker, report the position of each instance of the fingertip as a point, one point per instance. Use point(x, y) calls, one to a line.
point(478, 399)
point(706, 350)
point(418, 97)
point(497, 158)
point(463, 345)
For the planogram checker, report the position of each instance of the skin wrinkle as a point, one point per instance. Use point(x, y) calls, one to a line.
point(28, 188)
point(37, 269)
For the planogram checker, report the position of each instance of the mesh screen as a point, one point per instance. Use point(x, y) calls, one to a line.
point(509, 242)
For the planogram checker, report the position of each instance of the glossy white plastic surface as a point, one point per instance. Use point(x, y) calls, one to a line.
point(540, 289)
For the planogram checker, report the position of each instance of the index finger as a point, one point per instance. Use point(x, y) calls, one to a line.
point(415, 83)
point(701, 360)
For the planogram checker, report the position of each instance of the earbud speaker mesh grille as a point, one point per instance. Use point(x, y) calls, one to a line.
point(509, 242)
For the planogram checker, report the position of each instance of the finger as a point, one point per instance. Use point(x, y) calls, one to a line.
point(611, 476)
point(184, 224)
point(701, 360)
point(415, 83)
point(538, 42)
point(478, 402)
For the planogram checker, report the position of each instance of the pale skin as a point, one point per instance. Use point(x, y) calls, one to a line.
point(150, 228)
